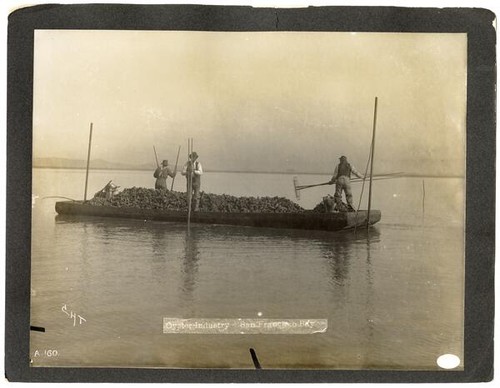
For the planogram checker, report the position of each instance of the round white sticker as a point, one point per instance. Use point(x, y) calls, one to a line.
point(448, 361)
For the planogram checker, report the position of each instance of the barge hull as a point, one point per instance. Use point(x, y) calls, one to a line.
point(305, 220)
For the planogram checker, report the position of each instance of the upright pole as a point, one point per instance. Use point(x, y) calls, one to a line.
point(372, 158)
point(156, 157)
point(191, 149)
point(175, 169)
point(88, 163)
point(189, 183)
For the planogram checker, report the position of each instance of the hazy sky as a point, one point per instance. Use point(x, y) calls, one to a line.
point(253, 100)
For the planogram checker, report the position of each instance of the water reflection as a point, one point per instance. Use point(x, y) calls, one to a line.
point(161, 249)
point(83, 287)
point(342, 247)
point(189, 268)
point(348, 256)
point(371, 318)
point(159, 243)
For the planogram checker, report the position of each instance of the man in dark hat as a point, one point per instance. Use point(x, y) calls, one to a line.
point(161, 174)
point(193, 169)
point(342, 178)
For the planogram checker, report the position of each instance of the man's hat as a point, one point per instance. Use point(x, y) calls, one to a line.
point(343, 157)
point(193, 155)
point(164, 163)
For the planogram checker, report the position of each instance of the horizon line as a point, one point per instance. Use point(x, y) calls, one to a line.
point(402, 175)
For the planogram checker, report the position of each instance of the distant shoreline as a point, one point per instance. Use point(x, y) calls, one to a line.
point(410, 175)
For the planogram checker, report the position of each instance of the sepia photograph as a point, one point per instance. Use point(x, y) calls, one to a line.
point(248, 181)
point(249, 199)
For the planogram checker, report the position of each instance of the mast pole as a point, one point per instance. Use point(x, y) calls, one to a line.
point(372, 157)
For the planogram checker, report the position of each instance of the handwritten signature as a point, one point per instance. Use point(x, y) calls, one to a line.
point(73, 315)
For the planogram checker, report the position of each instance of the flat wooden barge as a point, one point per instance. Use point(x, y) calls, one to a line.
point(303, 220)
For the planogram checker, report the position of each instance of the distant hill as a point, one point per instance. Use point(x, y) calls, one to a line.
point(82, 164)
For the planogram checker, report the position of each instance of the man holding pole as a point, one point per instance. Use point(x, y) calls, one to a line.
point(342, 178)
point(193, 171)
point(161, 174)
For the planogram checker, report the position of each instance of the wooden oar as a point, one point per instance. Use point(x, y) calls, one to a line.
point(175, 170)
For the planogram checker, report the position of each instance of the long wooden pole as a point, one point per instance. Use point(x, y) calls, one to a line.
point(175, 170)
point(372, 158)
point(191, 149)
point(354, 180)
point(88, 163)
point(156, 157)
point(189, 183)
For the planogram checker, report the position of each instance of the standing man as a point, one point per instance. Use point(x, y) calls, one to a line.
point(342, 178)
point(193, 169)
point(161, 174)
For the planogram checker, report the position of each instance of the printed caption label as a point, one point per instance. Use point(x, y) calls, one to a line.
point(243, 326)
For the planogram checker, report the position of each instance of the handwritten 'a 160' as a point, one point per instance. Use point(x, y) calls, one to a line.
point(73, 315)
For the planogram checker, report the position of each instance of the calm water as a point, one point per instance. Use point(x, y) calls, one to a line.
point(393, 295)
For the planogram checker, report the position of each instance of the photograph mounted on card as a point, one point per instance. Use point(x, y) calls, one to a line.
point(219, 197)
